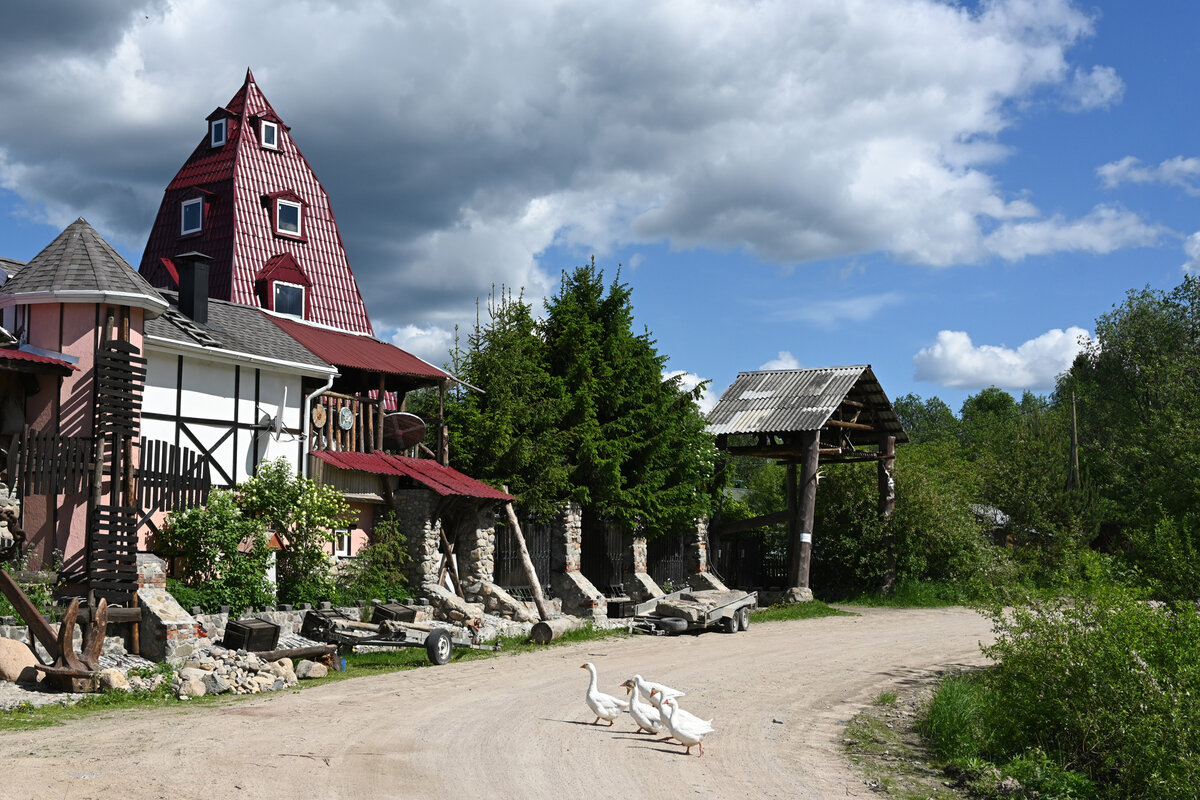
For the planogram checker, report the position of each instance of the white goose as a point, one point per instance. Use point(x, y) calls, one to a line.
point(647, 717)
point(687, 728)
point(649, 687)
point(605, 706)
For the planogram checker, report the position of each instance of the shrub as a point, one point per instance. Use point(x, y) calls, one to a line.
point(1166, 556)
point(381, 568)
point(225, 555)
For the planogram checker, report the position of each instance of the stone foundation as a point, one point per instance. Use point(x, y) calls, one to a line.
point(166, 632)
point(579, 597)
point(641, 587)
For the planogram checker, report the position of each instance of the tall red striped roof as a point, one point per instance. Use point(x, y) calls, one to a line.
point(443, 480)
point(239, 181)
point(359, 351)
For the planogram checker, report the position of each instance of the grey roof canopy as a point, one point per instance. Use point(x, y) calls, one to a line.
point(79, 266)
point(774, 404)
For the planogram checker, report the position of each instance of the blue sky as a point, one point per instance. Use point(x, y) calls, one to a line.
point(949, 192)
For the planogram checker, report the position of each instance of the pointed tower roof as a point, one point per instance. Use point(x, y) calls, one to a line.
point(247, 197)
point(80, 267)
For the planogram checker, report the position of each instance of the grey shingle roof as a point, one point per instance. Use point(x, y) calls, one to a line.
point(11, 265)
point(232, 326)
point(79, 260)
point(794, 400)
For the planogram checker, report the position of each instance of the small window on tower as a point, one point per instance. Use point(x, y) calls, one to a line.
point(217, 132)
point(289, 299)
point(191, 216)
point(287, 218)
point(270, 135)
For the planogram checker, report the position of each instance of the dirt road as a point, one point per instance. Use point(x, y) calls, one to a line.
point(517, 727)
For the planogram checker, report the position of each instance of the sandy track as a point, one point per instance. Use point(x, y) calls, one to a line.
point(517, 727)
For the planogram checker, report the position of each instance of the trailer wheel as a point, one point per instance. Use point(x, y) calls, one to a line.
point(730, 624)
point(743, 618)
point(438, 646)
point(671, 624)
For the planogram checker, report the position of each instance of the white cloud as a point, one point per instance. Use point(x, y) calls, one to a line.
point(1104, 230)
point(689, 381)
point(459, 142)
point(1180, 171)
point(785, 360)
point(1100, 87)
point(956, 362)
point(828, 313)
point(1191, 246)
point(431, 343)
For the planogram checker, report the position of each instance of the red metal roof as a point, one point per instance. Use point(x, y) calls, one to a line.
point(358, 351)
point(14, 354)
point(238, 232)
point(443, 480)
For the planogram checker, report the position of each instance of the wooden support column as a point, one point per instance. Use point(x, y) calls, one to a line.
point(382, 412)
point(887, 506)
point(806, 496)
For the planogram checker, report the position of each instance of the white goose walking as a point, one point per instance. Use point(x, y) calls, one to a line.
point(649, 687)
point(646, 717)
point(604, 706)
point(687, 728)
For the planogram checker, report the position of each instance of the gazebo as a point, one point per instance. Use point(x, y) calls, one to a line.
point(805, 418)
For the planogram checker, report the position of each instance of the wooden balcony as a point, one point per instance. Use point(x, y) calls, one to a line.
point(347, 423)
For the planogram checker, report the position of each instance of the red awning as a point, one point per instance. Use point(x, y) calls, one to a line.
point(443, 480)
point(359, 351)
point(14, 354)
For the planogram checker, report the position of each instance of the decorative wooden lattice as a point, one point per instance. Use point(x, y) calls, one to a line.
point(112, 556)
point(52, 465)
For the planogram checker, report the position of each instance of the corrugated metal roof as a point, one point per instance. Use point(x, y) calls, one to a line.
point(795, 400)
point(238, 232)
point(443, 480)
point(13, 354)
point(358, 351)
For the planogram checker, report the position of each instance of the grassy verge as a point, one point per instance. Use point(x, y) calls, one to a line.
point(786, 611)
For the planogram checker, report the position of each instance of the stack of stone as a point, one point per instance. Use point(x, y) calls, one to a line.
point(218, 670)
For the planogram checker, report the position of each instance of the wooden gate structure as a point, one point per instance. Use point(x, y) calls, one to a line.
point(804, 418)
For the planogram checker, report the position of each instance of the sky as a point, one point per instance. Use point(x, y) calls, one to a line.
point(951, 192)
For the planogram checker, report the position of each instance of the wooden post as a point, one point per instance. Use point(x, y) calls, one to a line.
point(792, 513)
point(530, 573)
point(443, 431)
point(887, 506)
point(380, 412)
point(806, 508)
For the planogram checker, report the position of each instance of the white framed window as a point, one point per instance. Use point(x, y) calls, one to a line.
point(191, 216)
point(287, 218)
point(289, 299)
point(218, 131)
point(342, 542)
point(269, 133)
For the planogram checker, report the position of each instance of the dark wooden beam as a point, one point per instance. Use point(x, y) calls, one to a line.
point(857, 426)
point(767, 451)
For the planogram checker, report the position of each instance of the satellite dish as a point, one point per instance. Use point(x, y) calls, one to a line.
point(402, 430)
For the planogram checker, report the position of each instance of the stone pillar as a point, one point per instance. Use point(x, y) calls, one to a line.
point(414, 514)
point(695, 555)
point(641, 587)
point(579, 597)
point(480, 541)
point(166, 632)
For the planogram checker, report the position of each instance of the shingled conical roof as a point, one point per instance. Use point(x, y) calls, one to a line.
point(80, 267)
point(244, 170)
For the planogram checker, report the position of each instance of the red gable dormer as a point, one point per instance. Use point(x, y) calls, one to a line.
point(248, 198)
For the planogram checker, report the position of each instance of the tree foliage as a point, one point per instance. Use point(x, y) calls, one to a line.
point(576, 408)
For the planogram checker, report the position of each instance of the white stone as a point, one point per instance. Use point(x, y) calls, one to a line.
point(112, 680)
point(193, 687)
point(309, 670)
point(17, 662)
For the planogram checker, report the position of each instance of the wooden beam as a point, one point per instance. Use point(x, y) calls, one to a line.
point(767, 451)
point(857, 426)
point(805, 510)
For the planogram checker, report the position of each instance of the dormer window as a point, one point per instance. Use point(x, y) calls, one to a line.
point(269, 134)
point(191, 216)
point(288, 299)
point(287, 218)
point(218, 131)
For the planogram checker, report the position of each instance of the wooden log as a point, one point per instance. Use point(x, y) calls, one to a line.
point(806, 504)
point(311, 652)
point(548, 630)
point(857, 426)
point(526, 562)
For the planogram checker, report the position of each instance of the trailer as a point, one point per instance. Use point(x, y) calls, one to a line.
point(439, 641)
point(687, 610)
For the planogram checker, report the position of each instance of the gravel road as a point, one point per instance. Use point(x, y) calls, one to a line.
point(517, 726)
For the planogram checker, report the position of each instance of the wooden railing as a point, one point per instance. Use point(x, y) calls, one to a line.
point(350, 424)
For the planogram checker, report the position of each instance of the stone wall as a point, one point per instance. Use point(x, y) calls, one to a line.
point(414, 513)
point(579, 597)
point(166, 632)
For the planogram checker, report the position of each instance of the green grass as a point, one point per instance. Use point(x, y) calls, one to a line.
point(785, 611)
point(913, 595)
point(886, 699)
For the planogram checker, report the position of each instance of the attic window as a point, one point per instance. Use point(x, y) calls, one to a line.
point(191, 216)
point(270, 135)
point(289, 299)
point(287, 218)
point(217, 131)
